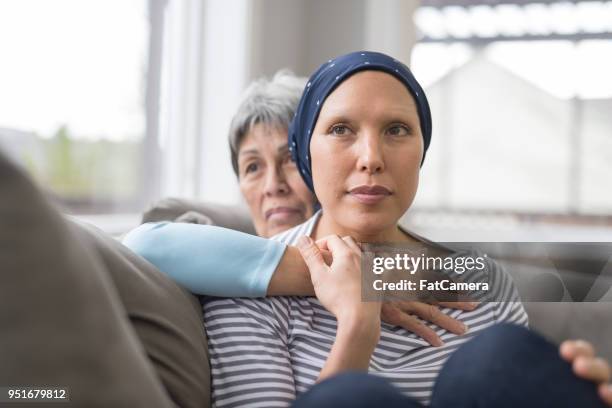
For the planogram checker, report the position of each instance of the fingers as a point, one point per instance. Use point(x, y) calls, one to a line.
point(350, 242)
point(571, 349)
point(393, 315)
point(311, 254)
point(336, 245)
point(324, 247)
point(342, 246)
point(434, 315)
point(322, 243)
point(467, 306)
point(592, 368)
point(588, 367)
point(605, 392)
point(327, 256)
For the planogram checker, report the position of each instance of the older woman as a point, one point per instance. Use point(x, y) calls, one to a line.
point(269, 181)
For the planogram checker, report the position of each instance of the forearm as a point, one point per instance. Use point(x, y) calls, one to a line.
point(291, 277)
point(209, 260)
point(216, 261)
point(355, 341)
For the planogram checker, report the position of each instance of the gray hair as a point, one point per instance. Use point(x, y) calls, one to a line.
point(272, 103)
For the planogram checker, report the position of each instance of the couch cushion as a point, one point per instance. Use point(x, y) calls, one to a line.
point(166, 318)
point(81, 311)
point(183, 210)
point(560, 321)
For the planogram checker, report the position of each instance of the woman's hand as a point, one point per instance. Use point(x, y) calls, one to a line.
point(581, 355)
point(338, 285)
point(338, 288)
point(404, 314)
point(292, 278)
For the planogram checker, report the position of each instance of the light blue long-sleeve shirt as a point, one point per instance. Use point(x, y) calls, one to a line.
point(208, 260)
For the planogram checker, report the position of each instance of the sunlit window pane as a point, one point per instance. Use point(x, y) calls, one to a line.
point(72, 96)
point(519, 124)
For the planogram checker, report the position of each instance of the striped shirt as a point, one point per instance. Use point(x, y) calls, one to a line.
point(266, 351)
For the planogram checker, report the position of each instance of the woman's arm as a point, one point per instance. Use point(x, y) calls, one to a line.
point(338, 288)
point(355, 341)
point(291, 276)
point(221, 262)
point(213, 261)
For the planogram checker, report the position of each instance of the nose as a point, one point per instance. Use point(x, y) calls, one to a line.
point(276, 182)
point(370, 158)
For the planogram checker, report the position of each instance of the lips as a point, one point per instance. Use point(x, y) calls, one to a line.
point(370, 194)
point(371, 190)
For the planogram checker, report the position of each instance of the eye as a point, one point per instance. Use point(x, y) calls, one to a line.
point(340, 130)
point(251, 168)
point(399, 130)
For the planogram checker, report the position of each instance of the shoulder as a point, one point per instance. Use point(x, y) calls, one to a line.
point(502, 284)
point(503, 294)
point(476, 265)
point(291, 236)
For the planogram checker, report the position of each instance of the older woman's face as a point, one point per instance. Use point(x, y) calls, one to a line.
point(270, 182)
point(366, 152)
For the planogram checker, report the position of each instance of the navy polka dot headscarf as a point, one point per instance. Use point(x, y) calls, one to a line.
point(326, 79)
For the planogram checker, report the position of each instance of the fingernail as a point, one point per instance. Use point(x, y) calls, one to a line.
point(464, 328)
point(438, 342)
point(474, 305)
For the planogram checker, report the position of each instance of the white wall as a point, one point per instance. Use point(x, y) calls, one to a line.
point(302, 34)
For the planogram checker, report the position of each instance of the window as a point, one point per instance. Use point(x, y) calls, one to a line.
point(72, 101)
point(521, 97)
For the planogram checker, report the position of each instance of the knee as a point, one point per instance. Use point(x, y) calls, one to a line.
point(505, 333)
point(513, 364)
point(508, 342)
point(348, 389)
point(347, 384)
point(501, 351)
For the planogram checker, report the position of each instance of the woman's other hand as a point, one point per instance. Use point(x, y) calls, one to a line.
point(338, 288)
point(586, 365)
point(405, 313)
point(338, 285)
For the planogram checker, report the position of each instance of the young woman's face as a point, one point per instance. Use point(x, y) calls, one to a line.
point(270, 182)
point(366, 152)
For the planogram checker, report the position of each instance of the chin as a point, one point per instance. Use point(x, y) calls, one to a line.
point(371, 219)
point(277, 228)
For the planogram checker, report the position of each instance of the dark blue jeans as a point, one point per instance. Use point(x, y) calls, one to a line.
point(505, 366)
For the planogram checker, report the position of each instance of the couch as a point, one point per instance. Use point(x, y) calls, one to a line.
point(82, 311)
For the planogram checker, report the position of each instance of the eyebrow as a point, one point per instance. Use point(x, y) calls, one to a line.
point(392, 117)
point(249, 151)
point(281, 149)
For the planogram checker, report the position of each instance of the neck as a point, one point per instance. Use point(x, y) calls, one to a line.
point(327, 226)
